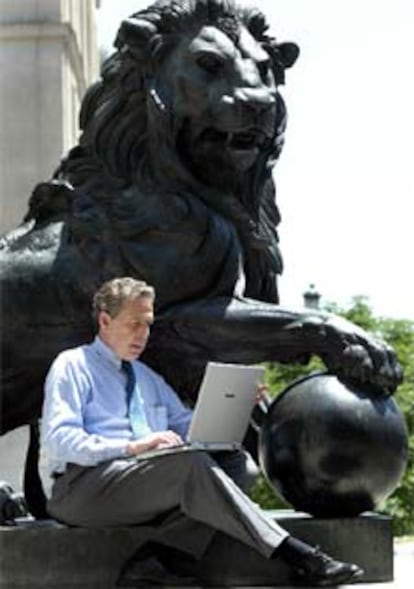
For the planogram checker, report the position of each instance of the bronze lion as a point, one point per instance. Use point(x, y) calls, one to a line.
point(172, 182)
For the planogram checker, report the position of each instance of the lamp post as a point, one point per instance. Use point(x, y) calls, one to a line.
point(311, 297)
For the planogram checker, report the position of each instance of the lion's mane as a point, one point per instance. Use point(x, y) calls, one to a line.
point(116, 116)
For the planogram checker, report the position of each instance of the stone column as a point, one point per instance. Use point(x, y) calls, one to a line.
point(48, 57)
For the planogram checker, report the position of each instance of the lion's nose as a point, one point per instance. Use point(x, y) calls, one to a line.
point(258, 100)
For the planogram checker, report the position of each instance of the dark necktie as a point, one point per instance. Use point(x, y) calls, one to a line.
point(131, 380)
point(136, 413)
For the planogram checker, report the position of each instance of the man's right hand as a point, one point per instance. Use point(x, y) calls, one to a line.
point(154, 441)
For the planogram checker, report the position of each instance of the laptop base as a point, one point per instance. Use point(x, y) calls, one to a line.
point(210, 447)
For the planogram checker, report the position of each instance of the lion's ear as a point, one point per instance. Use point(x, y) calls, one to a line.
point(288, 53)
point(135, 34)
point(283, 56)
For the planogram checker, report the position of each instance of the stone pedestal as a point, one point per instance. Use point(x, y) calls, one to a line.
point(51, 556)
point(366, 540)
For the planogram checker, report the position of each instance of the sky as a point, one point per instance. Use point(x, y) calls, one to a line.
point(345, 180)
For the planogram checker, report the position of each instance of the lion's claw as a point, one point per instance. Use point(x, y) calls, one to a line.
point(356, 356)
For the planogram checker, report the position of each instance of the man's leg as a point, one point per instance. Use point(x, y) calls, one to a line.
point(239, 466)
point(197, 497)
point(128, 492)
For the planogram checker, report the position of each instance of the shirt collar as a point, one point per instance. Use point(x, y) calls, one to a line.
point(106, 352)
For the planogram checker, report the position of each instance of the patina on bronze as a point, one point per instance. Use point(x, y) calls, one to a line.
point(172, 182)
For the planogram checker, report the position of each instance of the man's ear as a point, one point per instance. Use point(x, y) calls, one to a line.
point(104, 319)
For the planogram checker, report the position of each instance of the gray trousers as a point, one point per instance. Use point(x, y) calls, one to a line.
point(188, 495)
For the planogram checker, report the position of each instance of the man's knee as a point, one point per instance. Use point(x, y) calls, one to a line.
point(240, 467)
point(200, 459)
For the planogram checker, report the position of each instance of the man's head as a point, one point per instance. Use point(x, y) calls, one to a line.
point(124, 311)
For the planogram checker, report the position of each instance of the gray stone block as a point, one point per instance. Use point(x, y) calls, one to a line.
point(366, 540)
point(53, 557)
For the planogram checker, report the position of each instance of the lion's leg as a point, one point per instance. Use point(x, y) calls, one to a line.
point(247, 331)
point(240, 330)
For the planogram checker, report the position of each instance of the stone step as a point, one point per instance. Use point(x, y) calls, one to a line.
point(52, 556)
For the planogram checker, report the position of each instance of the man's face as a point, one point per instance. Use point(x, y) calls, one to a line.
point(127, 333)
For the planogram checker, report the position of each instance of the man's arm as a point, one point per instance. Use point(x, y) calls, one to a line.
point(63, 433)
point(179, 416)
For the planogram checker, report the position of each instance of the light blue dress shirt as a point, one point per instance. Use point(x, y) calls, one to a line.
point(85, 415)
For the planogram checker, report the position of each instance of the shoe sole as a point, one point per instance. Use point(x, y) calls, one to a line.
point(314, 582)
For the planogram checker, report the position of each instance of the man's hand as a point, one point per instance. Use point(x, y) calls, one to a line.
point(154, 441)
point(262, 393)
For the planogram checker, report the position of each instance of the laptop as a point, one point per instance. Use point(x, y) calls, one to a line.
point(222, 412)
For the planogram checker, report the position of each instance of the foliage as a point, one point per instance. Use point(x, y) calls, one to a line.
point(400, 335)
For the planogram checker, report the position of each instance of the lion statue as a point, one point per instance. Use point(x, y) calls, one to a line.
point(172, 182)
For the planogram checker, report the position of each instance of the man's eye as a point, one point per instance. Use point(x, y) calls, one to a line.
point(210, 63)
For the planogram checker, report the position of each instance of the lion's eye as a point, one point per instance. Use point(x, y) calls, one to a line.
point(210, 63)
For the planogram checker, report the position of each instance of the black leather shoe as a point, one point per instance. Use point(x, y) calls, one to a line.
point(319, 569)
point(145, 569)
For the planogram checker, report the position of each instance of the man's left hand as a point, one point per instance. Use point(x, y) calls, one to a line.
point(262, 393)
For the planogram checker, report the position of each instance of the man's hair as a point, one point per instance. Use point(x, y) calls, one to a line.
point(112, 295)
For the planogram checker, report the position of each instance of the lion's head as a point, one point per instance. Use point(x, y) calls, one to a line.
point(191, 91)
point(189, 103)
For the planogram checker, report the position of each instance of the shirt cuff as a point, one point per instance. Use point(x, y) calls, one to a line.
point(115, 448)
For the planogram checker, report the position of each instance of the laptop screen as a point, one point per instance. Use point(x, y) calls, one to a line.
point(226, 399)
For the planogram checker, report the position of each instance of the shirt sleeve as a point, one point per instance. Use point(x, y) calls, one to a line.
point(63, 434)
point(179, 416)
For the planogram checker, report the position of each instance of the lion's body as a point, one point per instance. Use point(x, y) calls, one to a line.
point(171, 183)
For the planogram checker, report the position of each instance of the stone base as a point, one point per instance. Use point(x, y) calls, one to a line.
point(53, 556)
point(365, 540)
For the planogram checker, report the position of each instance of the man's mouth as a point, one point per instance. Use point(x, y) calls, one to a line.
point(136, 348)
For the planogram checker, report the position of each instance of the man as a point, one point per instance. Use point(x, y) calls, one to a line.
point(94, 436)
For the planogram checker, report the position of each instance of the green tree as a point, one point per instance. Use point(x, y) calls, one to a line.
point(400, 335)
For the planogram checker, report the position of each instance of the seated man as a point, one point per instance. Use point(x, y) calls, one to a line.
point(93, 434)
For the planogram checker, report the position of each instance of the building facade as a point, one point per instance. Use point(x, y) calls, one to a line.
point(48, 57)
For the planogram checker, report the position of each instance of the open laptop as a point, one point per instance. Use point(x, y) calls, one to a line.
point(221, 416)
